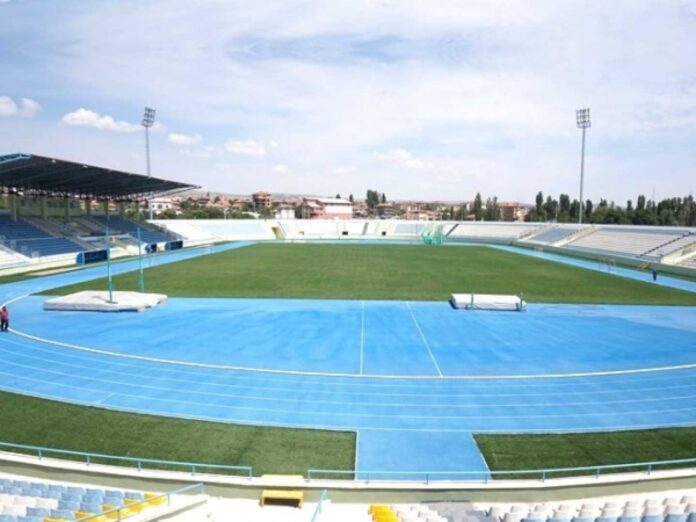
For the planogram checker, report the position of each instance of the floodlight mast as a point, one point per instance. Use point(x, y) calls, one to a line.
point(148, 121)
point(582, 117)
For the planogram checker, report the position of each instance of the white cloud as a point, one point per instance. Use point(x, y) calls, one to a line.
point(184, 139)
point(343, 170)
point(87, 118)
point(26, 107)
point(483, 88)
point(403, 158)
point(281, 169)
point(250, 148)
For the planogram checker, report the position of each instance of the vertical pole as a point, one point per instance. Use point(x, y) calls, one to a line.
point(141, 280)
point(582, 176)
point(147, 156)
point(108, 267)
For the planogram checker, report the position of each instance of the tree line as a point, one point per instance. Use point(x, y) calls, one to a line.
point(667, 212)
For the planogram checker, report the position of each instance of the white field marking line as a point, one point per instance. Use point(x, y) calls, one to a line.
point(353, 375)
point(259, 382)
point(340, 403)
point(15, 299)
point(348, 393)
point(362, 339)
point(349, 429)
point(425, 341)
point(102, 401)
point(255, 379)
point(380, 415)
point(285, 390)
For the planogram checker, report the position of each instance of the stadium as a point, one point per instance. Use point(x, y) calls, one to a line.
point(379, 370)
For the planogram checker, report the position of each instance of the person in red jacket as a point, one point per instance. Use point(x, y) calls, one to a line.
point(4, 319)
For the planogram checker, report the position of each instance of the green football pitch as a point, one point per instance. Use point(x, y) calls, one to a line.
point(398, 272)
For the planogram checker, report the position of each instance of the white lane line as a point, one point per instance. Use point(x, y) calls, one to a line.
point(365, 393)
point(362, 339)
point(102, 401)
point(425, 341)
point(479, 377)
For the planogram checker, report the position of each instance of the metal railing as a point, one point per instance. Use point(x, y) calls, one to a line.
point(119, 513)
point(317, 512)
point(139, 462)
point(487, 476)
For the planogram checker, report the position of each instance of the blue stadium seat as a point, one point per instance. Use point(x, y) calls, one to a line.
point(62, 513)
point(8, 518)
point(676, 518)
point(38, 512)
point(91, 507)
point(629, 519)
point(69, 504)
point(653, 518)
point(71, 497)
point(118, 224)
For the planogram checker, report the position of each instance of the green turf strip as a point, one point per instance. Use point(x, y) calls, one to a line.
point(528, 452)
point(38, 422)
point(386, 272)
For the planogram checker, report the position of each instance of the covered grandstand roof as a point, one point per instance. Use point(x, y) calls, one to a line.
point(59, 178)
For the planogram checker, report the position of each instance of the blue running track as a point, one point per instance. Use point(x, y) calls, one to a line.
point(414, 379)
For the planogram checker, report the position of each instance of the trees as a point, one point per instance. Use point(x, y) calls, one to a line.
point(674, 211)
point(478, 207)
point(492, 209)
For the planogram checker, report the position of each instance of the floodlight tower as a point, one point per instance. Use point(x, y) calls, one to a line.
point(582, 117)
point(148, 121)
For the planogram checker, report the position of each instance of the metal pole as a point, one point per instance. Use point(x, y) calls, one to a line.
point(147, 156)
point(141, 280)
point(108, 267)
point(582, 176)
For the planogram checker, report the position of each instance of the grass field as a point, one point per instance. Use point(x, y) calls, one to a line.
point(387, 272)
point(521, 452)
point(39, 422)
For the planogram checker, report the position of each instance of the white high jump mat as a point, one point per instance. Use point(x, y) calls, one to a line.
point(472, 301)
point(92, 301)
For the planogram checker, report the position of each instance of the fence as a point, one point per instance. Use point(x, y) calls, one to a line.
point(139, 463)
point(135, 507)
point(487, 476)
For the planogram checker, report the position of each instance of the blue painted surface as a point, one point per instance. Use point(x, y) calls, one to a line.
point(390, 338)
point(644, 276)
point(441, 452)
point(403, 422)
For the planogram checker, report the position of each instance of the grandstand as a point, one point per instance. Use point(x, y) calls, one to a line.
point(633, 241)
point(49, 218)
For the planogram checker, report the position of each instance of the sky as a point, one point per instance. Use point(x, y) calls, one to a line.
point(431, 99)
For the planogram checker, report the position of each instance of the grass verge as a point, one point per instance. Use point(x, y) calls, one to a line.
point(39, 422)
point(522, 452)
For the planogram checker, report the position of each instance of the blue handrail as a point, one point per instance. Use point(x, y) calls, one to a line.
point(129, 507)
point(317, 512)
point(246, 471)
point(485, 476)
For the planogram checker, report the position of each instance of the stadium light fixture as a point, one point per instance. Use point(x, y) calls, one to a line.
point(148, 121)
point(582, 117)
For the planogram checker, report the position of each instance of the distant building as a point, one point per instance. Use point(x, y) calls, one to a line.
point(285, 212)
point(327, 208)
point(385, 210)
point(261, 200)
point(161, 204)
point(513, 211)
